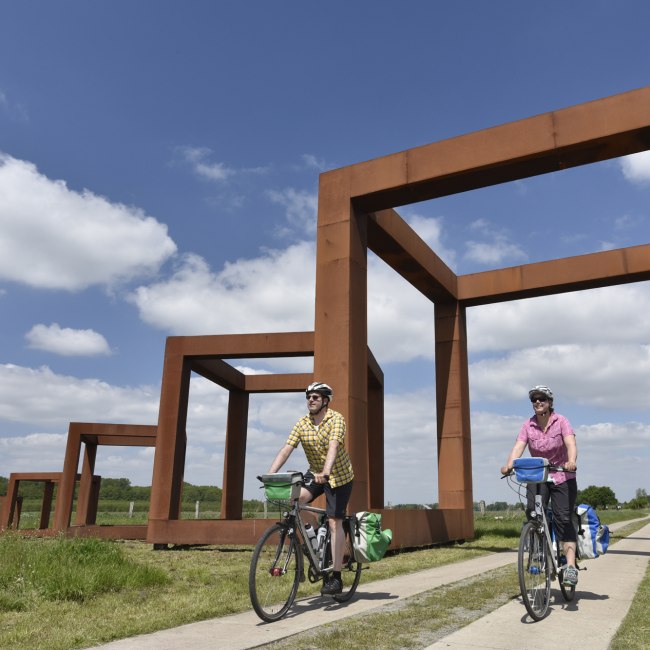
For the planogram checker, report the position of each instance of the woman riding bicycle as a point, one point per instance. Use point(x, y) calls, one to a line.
point(549, 435)
point(322, 435)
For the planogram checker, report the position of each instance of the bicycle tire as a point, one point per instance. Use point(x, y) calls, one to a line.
point(534, 571)
point(350, 570)
point(568, 591)
point(275, 571)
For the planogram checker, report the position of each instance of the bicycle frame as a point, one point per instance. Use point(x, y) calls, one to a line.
point(541, 516)
point(316, 562)
point(277, 566)
point(539, 555)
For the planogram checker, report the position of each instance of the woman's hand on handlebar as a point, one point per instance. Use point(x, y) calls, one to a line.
point(506, 469)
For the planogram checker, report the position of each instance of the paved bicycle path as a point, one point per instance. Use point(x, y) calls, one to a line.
point(603, 597)
point(614, 587)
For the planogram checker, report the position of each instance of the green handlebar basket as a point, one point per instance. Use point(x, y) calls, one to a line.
point(282, 487)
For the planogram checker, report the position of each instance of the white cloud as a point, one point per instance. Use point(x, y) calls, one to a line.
point(198, 159)
point(613, 376)
point(14, 111)
point(301, 210)
point(271, 293)
point(38, 396)
point(636, 168)
point(494, 247)
point(619, 314)
point(56, 238)
point(67, 341)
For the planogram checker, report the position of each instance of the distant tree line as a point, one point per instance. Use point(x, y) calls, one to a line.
point(120, 489)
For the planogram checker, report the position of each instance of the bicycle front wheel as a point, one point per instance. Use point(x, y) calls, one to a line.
point(350, 570)
point(274, 574)
point(534, 571)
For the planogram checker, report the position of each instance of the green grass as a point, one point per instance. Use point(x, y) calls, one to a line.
point(417, 622)
point(92, 605)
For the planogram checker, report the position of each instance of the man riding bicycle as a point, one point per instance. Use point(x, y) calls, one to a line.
point(322, 435)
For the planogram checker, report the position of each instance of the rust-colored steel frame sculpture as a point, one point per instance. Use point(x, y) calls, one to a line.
point(93, 435)
point(11, 504)
point(205, 356)
point(355, 213)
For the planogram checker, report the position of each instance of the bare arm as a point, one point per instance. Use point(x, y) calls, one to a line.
point(280, 459)
point(516, 452)
point(332, 450)
point(572, 451)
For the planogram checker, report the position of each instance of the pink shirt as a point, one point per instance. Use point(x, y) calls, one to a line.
point(549, 444)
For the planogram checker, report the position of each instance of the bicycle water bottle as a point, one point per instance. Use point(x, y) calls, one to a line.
point(311, 534)
point(322, 531)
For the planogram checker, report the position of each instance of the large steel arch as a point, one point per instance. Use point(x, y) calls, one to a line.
point(356, 213)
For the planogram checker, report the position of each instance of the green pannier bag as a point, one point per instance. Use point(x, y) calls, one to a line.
point(370, 541)
point(282, 486)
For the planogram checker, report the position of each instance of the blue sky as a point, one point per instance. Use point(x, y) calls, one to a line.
point(159, 168)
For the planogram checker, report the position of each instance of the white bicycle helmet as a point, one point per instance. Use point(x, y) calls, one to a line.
point(320, 387)
point(544, 390)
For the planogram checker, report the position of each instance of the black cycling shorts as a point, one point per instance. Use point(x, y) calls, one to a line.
point(337, 498)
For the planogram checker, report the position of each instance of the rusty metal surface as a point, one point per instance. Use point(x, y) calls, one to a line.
point(205, 355)
point(356, 213)
point(92, 435)
point(11, 505)
point(607, 268)
point(586, 133)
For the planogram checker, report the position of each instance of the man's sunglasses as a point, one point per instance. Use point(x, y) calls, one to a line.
point(314, 397)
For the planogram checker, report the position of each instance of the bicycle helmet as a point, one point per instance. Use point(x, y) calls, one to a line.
point(543, 390)
point(320, 387)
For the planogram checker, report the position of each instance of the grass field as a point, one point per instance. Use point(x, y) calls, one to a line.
point(73, 593)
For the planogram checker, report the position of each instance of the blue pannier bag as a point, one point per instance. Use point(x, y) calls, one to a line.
point(531, 470)
point(593, 537)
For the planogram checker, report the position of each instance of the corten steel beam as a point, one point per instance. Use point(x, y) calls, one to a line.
point(590, 271)
point(375, 433)
point(341, 343)
point(452, 398)
point(394, 241)
point(355, 212)
point(586, 133)
point(92, 435)
point(10, 512)
point(204, 355)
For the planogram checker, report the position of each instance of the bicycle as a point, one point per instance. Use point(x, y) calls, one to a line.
point(540, 558)
point(277, 566)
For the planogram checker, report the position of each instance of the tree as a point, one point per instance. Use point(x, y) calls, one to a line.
point(598, 497)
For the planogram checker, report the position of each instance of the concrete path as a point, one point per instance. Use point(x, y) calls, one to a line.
point(603, 597)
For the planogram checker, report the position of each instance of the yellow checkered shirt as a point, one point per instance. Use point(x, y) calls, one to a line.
point(315, 441)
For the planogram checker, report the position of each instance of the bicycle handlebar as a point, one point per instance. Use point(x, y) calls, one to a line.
point(551, 468)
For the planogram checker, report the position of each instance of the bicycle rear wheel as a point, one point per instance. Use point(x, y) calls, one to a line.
point(534, 573)
point(350, 570)
point(274, 574)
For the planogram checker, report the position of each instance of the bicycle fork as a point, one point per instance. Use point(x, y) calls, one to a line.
point(539, 511)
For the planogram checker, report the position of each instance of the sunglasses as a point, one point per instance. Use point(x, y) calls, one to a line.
point(314, 397)
point(538, 399)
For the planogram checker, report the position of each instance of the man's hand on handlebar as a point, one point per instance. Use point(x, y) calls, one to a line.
point(321, 478)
